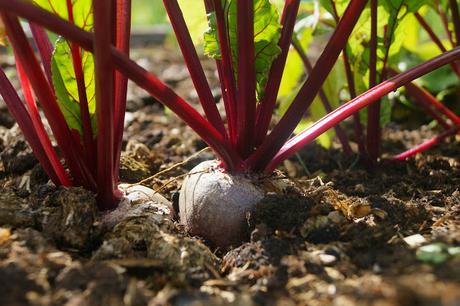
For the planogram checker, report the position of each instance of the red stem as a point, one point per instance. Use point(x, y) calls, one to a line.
point(430, 32)
point(455, 19)
point(373, 111)
point(137, 74)
point(209, 6)
point(89, 148)
point(47, 99)
point(268, 102)
point(194, 65)
point(358, 128)
point(45, 48)
point(426, 145)
point(259, 160)
point(42, 136)
point(246, 103)
point(445, 21)
point(419, 97)
point(372, 95)
point(104, 104)
point(422, 95)
point(226, 75)
point(122, 43)
point(20, 114)
point(322, 95)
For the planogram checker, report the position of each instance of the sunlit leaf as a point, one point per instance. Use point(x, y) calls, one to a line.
point(65, 84)
point(62, 66)
point(267, 32)
point(195, 16)
point(82, 11)
point(2, 33)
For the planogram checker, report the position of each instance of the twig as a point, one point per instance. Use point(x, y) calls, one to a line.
point(170, 168)
point(176, 178)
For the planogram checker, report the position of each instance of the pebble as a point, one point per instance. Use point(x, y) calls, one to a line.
point(327, 259)
point(415, 240)
point(336, 217)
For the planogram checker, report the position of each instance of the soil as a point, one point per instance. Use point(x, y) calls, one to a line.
point(342, 235)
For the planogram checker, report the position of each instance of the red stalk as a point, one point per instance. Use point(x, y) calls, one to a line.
point(194, 65)
point(426, 145)
point(42, 136)
point(45, 48)
point(373, 111)
point(421, 94)
point(88, 139)
point(226, 75)
point(268, 102)
point(209, 6)
point(455, 19)
point(47, 99)
point(246, 103)
point(104, 104)
point(430, 32)
point(259, 160)
point(352, 90)
point(122, 43)
point(372, 95)
point(445, 21)
point(136, 73)
point(322, 95)
point(420, 99)
point(20, 114)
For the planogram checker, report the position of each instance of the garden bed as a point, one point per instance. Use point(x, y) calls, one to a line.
point(340, 235)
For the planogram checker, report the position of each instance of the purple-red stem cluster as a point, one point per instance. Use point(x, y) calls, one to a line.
point(92, 160)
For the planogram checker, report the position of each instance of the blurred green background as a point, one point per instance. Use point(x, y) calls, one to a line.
point(148, 12)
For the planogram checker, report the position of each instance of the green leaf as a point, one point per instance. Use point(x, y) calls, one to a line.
point(267, 32)
point(69, 108)
point(396, 17)
point(332, 87)
point(62, 67)
point(82, 11)
point(340, 5)
point(437, 253)
point(65, 84)
point(195, 16)
point(294, 69)
point(211, 40)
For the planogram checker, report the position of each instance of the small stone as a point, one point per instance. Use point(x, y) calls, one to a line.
point(139, 194)
point(5, 235)
point(415, 241)
point(139, 201)
point(336, 217)
point(327, 259)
